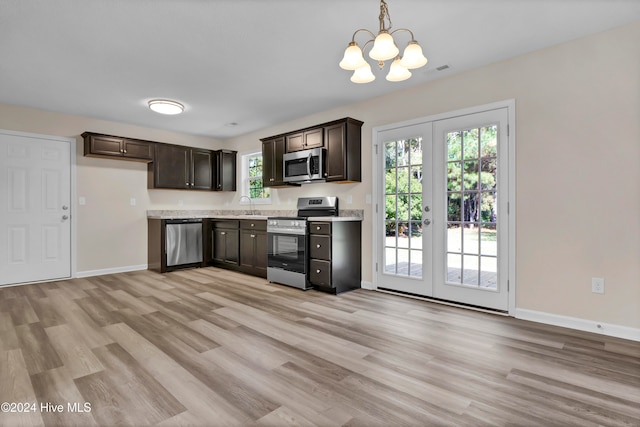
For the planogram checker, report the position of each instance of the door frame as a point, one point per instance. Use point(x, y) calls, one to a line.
point(378, 203)
point(74, 206)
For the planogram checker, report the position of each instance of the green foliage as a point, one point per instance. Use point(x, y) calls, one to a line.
point(256, 190)
point(403, 184)
point(471, 174)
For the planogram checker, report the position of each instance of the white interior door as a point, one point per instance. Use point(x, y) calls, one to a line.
point(35, 208)
point(442, 200)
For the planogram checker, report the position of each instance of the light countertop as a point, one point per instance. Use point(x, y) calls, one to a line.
point(239, 215)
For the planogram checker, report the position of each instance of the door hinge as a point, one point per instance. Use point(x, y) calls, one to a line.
point(376, 147)
point(508, 130)
point(508, 285)
point(376, 208)
point(376, 267)
point(508, 208)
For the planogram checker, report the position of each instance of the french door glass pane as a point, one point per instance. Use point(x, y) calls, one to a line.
point(403, 207)
point(471, 207)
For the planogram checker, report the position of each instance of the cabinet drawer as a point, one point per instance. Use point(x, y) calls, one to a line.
point(225, 224)
point(320, 272)
point(320, 247)
point(260, 225)
point(320, 228)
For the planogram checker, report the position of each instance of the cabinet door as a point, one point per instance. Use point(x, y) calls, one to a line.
point(137, 149)
point(225, 170)
point(272, 152)
point(219, 245)
point(201, 175)
point(232, 246)
point(336, 151)
point(314, 138)
point(106, 145)
point(261, 253)
point(294, 142)
point(248, 249)
point(171, 167)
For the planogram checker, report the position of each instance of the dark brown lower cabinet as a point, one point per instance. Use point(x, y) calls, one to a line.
point(224, 241)
point(253, 247)
point(335, 263)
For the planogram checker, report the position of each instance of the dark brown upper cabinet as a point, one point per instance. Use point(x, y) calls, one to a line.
point(343, 151)
point(312, 138)
point(224, 170)
point(181, 167)
point(108, 146)
point(272, 152)
point(341, 138)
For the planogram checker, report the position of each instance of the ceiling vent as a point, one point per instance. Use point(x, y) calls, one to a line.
point(442, 67)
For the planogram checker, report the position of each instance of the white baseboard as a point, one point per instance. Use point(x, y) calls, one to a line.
point(608, 329)
point(368, 285)
point(90, 273)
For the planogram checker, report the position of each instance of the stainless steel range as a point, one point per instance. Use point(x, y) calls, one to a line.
point(288, 237)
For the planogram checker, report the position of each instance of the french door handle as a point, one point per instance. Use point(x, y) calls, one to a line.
point(427, 209)
point(426, 222)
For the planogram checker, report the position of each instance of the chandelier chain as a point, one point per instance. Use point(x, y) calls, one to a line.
point(384, 11)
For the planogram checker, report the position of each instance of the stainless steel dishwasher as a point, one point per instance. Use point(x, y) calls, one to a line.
point(183, 242)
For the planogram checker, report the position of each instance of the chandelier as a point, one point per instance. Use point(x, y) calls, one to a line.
point(384, 49)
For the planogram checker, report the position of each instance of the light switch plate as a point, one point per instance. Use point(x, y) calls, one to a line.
point(82, 201)
point(132, 201)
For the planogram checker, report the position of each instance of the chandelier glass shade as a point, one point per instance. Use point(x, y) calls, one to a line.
point(384, 49)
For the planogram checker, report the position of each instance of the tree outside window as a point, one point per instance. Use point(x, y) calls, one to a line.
point(253, 183)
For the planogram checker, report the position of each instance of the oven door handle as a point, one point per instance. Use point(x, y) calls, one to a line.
point(309, 165)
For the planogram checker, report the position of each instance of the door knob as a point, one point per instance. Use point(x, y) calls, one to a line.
point(65, 217)
point(426, 222)
point(427, 209)
point(65, 207)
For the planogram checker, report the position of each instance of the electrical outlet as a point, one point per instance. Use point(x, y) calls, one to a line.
point(82, 201)
point(597, 285)
point(132, 201)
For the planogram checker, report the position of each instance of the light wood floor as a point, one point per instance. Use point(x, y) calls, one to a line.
point(216, 348)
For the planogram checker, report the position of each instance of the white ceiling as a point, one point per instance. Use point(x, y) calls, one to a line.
point(254, 62)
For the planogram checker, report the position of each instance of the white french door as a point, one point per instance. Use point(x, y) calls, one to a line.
point(443, 193)
point(405, 208)
point(35, 208)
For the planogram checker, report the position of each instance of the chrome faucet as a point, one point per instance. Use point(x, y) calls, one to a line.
point(251, 212)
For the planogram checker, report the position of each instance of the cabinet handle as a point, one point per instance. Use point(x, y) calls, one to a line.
point(318, 246)
point(223, 233)
point(253, 235)
point(318, 228)
point(318, 271)
point(252, 224)
point(124, 151)
point(271, 179)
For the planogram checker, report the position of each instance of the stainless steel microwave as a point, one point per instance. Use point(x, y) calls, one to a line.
point(305, 166)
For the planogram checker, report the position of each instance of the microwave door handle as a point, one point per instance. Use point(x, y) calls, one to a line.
point(309, 165)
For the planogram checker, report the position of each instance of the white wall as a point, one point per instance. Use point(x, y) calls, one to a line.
point(578, 172)
point(577, 162)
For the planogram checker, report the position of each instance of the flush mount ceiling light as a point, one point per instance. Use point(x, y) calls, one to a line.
point(384, 49)
point(165, 106)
